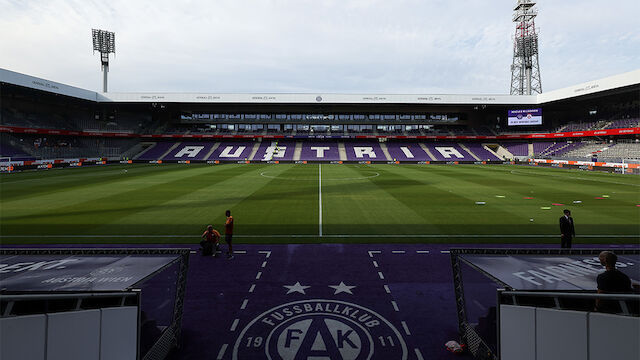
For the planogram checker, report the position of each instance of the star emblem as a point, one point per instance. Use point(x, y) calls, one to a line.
point(296, 288)
point(342, 288)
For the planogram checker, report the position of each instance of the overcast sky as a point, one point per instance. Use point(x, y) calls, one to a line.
point(319, 46)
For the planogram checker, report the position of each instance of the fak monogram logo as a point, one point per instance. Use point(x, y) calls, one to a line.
point(326, 329)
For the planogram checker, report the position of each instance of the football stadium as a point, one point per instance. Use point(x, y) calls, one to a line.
point(346, 225)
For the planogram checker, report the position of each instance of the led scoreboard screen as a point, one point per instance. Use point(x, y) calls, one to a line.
point(524, 117)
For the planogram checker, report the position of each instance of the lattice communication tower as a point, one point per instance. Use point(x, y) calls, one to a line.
point(525, 70)
point(105, 43)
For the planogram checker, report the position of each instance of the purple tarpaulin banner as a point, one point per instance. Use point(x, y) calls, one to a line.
point(545, 272)
point(524, 117)
point(76, 272)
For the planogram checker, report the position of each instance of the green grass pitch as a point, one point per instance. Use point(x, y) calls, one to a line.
point(173, 203)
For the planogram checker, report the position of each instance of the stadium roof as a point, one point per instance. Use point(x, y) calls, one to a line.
point(592, 87)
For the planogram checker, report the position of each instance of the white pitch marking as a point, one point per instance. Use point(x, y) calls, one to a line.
point(320, 200)
point(235, 324)
point(395, 306)
point(419, 354)
point(374, 174)
point(375, 263)
point(386, 288)
point(435, 236)
point(264, 264)
point(398, 252)
point(244, 304)
point(371, 252)
point(253, 286)
point(404, 325)
point(266, 252)
point(381, 276)
point(445, 251)
point(193, 252)
point(422, 251)
point(240, 252)
point(221, 352)
point(258, 275)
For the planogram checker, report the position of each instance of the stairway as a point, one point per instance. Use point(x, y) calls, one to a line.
point(342, 151)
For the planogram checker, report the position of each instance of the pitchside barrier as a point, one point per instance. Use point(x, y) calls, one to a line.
point(488, 283)
point(13, 166)
point(91, 303)
point(59, 164)
point(623, 167)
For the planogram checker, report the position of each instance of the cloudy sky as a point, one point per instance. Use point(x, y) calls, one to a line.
point(343, 46)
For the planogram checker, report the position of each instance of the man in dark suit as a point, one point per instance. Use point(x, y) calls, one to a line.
point(567, 231)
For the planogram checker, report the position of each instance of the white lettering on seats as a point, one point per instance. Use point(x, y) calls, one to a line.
point(320, 150)
point(227, 151)
point(190, 151)
point(361, 151)
point(406, 152)
point(271, 152)
point(448, 151)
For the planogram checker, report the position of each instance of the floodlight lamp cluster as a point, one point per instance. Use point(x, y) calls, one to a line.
point(104, 42)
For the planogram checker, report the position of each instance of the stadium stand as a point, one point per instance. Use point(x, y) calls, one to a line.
point(517, 148)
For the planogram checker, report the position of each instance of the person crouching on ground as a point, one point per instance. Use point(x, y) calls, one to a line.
point(210, 238)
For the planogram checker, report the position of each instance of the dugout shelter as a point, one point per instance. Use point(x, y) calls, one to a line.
point(91, 303)
point(539, 304)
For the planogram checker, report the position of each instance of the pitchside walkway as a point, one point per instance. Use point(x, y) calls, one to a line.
point(338, 301)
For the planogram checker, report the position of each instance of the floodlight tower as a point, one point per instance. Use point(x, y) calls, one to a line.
point(525, 70)
point(104, 42)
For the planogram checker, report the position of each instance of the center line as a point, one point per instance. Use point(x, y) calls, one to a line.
point(319, 199)
point(244, 304)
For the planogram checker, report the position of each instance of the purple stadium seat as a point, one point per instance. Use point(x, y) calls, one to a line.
point(267, 151)
point(232, 151)
point(319, 151)
point(481, 152)
point(190, 151)
point(156, 151)
point(449, 152)
point(407, 152)
point(364, 151)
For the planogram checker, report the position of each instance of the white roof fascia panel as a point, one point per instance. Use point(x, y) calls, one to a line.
point(33, 82)
point(319, 98)
point(591, 87)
